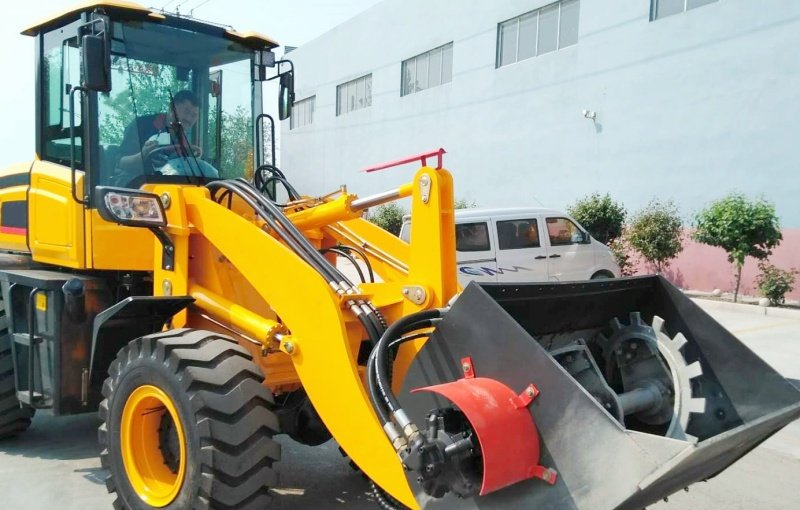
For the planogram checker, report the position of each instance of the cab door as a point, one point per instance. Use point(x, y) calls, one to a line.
point(55, 213)
point(475, 254)
point(521, 255)
point(570, 255)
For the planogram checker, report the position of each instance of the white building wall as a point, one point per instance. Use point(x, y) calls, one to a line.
point(689, 107)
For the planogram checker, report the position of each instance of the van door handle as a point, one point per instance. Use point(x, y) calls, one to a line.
point(539, 257)
point(555, 256)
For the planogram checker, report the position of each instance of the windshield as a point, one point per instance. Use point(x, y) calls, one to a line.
point(180, 106)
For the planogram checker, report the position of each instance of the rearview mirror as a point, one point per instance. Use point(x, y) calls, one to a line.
point(96, 65)
point(286, 95)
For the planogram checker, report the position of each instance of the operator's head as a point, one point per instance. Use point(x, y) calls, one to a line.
point(186, 107)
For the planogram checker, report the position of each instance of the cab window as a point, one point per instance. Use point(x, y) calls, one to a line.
point(516, 234)
point(61, 59)
point(472, 237)
point(563, 231)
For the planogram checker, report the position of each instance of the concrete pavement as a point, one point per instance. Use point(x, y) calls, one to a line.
point(55, 464)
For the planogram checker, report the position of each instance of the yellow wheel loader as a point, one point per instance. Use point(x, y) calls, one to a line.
point(156, 268)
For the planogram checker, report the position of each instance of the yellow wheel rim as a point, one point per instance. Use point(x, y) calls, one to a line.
point(156, 478)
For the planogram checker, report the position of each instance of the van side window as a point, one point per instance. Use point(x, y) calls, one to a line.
point(472, 237)
point(563, 232)
point(515, 234)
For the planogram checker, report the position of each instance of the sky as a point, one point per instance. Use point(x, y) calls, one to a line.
point(289, 22)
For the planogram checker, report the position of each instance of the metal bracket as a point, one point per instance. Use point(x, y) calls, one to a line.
point(425, 187)
point(525, 398)
point(415, 294)
point(168, 249)
point(468, 368)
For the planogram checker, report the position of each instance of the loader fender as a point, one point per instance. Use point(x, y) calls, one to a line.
point(133, 317)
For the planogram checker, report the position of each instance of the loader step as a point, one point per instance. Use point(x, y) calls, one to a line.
point(25, 339)
point(35, 401)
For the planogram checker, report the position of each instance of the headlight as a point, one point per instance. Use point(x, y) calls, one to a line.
point(130, 207)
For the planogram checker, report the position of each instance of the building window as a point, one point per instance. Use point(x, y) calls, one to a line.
point(426, 70)
point(302, 113)
point(664, 8)
point(354, 95)
point(550, 28)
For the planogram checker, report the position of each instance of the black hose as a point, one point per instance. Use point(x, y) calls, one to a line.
point(349, 257)
point(377, 369)
point(363, 257)
point(384, 499)
point(296, 241)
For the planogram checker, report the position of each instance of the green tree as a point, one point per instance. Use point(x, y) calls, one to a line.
point(600, 215)
point(656, 232)
point(389, 217)
point(141, 88)
point(463, 203)
point(741, 227)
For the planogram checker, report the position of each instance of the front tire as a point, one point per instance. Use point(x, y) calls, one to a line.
point(187, 423)
point(15, 417)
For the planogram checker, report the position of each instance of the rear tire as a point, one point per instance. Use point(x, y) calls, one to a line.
point(602, 275)
point(15, 417)
point(207, 390)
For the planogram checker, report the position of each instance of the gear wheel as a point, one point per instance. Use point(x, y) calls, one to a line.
point(682, 373)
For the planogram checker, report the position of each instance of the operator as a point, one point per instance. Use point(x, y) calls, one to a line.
point(150, 141)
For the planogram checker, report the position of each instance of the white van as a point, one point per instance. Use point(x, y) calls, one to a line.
point(525, 244)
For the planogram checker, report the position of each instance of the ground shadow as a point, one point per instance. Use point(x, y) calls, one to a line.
point(56, 438)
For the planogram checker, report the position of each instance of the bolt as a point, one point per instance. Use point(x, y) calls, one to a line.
point(466, 367)
point(288, 347)
point(420, 479)
point(530, 392)
point(568, 359)
point(168, 267)
point(634, 346)
point(405, 292)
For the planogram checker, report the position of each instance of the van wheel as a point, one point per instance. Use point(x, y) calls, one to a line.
point(187, 423)
point(15, 417)
point(602, 275)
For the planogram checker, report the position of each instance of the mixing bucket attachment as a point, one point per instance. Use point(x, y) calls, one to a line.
point(639, 392)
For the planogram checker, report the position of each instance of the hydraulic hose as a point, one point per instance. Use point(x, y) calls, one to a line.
point(402, 325)
point(300, 245)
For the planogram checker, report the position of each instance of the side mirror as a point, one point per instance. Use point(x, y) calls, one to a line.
point(96, 64)
point(286, 95)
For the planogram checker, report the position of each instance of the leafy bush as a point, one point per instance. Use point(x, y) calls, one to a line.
point(656, 232)
point(600, 215)
point(389, 217)
point(463, 203)
point(621, 250)
point(740, 227)
point(774, 282)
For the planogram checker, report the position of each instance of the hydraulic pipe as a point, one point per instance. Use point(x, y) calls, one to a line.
point(381, 198)
point(247, 321)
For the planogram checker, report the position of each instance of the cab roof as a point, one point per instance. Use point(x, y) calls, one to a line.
point(130, 10)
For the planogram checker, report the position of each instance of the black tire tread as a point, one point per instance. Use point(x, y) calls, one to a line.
point(232, 408)
point(15, 417)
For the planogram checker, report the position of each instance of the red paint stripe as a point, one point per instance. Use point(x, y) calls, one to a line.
point(14, 230)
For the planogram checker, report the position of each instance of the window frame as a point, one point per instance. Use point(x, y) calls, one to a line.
point(303, 104)
point(654, 9)
point(515, 222)
point(485, 225)
point(586, 237)
point(537, 14)
point(353, 85)
point(405, 64)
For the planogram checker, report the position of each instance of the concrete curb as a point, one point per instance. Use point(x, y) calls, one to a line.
point(786, 313)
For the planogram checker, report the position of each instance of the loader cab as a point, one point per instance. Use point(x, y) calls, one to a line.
point(126, 97)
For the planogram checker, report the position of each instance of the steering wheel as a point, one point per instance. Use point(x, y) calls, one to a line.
point(159, 156)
